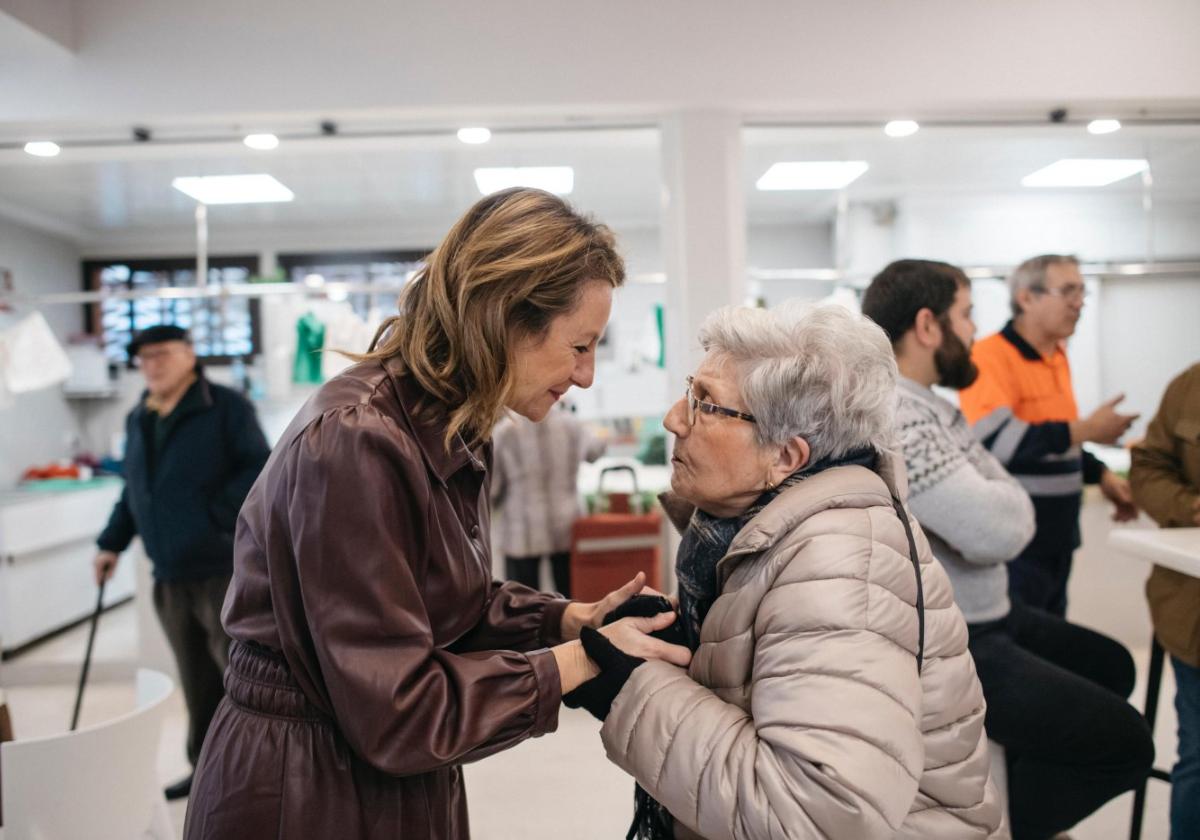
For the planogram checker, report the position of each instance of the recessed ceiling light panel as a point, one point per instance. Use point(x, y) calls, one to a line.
point(559, 180)
point(1084, 172)
point(812, 174)
point(233, 189)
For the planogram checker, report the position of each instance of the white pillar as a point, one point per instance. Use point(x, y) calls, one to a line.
point(704, 243)
point(703, 228)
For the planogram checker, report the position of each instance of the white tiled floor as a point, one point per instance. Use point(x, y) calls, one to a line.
point(561, 785)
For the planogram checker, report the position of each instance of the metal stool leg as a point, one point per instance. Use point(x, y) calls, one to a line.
point(1153, 684)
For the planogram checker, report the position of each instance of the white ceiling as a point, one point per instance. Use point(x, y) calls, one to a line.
point(134, 60)
point(412, 188)
point(413, 184)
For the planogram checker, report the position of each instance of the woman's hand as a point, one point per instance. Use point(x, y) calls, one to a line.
point(577, 615)
point(631, 636)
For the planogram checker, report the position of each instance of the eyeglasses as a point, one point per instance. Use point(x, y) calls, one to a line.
point(1074, 291)
point(695, 406)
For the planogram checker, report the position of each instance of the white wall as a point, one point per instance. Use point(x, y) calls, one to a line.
point(1135, 334)
point(38, 427)
point(1004, 229)
point(1151, 333)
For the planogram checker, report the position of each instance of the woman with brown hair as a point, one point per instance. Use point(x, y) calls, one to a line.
point(373, 654)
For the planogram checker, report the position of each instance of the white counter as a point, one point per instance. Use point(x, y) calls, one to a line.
point(47, 543)
point(1172, 548)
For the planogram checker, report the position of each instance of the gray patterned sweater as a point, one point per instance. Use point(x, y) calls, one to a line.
point(976, 515)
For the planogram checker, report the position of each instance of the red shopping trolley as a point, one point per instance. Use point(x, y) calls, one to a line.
point(608, 548)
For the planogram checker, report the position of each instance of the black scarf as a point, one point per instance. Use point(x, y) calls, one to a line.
point(705, 542)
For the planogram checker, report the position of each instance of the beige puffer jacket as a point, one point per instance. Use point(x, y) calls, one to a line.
point(802, 713)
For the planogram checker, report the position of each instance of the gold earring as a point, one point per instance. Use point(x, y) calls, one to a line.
point(770, 484)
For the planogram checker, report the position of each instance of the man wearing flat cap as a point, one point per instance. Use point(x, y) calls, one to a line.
point(193, 449)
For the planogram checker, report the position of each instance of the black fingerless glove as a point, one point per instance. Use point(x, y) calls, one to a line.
point(648, 606)
point(597, 694)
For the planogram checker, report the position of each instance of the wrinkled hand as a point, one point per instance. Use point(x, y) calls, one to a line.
point(632, 637)
point(578, 616)
point(1116, 489)
point(105, 565)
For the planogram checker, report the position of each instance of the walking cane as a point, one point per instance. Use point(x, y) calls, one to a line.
point(87, 657)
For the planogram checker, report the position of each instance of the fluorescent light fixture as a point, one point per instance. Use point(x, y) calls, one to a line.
point(42, 148)
point(1104, 126)
point(811, 174)
point(233, 189)
point(1084, 172)
point(262, 142)
point(559, 180)
point(901, 128)
point(314, 281)
point(474, 136)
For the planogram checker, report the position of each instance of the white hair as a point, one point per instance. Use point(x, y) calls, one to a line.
point(822, 373)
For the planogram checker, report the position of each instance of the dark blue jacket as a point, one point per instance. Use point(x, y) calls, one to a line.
point(182, 496)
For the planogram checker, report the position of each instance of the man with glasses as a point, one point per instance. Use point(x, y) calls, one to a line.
point(192, 451)
point(1023, 408)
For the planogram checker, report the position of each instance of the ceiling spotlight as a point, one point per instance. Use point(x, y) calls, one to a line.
point(262, 142)
point(901, 128)
point(1104, 126)
point(474, 136)
point(42, 148)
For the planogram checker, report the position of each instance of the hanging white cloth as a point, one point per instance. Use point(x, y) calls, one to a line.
point(30, 356)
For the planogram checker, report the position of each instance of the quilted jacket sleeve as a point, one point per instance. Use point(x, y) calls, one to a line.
point(831, 746)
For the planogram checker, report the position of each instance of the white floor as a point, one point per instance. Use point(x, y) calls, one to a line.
point(561, 785)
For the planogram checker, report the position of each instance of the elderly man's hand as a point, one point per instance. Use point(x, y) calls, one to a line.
point(1116, 489)
point(577, 615)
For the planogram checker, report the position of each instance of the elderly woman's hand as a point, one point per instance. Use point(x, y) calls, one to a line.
point(577, 615)
point(633, 637)
point(616, 650)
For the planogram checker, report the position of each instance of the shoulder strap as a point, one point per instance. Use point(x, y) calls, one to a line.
point(916, 561)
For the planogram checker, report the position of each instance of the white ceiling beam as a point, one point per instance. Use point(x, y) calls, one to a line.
point(51, 22)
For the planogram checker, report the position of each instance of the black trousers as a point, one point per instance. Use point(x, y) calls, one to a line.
point(525, 570)
point(1056, 701)
point(190, 614)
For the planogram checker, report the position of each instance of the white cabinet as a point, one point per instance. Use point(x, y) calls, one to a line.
point(47, 543)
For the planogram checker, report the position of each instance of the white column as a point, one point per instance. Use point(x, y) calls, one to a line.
point(703, 228)
point(704, 243)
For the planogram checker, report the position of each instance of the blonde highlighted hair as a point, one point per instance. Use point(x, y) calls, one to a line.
point(515, 261)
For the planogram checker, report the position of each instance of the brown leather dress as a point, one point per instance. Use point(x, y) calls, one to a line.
point(373, 654)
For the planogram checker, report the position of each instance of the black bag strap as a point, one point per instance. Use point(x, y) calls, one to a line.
point(916, 561)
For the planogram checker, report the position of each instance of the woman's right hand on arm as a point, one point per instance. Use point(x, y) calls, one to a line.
point(632, 637)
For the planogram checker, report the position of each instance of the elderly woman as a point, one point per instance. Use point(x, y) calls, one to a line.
point(831, 694)
point(373, 654)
